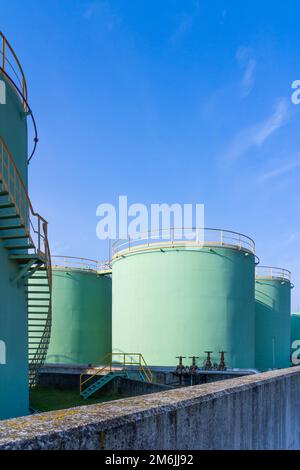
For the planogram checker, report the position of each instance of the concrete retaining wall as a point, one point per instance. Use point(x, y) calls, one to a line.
point(253, 412)
point(120, 385)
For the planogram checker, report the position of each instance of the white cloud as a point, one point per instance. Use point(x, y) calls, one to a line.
point(185, 21)
point(247, 63)
point(223, 16)
point(257, 134)
point(184, 25)
point(280, 171)
point(104, 9)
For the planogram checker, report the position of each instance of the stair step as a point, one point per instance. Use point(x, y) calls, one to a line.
point(37, 305)
point(30, 291)
point(3, 192)
point(19, 247)
point(11, 227)
point(9, 216)
point(38, 277)
point(24, 256)
point(14, 236)
point(6, 205)
point(29, 286)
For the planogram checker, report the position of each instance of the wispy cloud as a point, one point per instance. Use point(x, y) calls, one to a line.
point(103, 8)
point(257, 134)
point(223, 16)
point(247, 62)
point(280, 171)
point(184, 21)
point(184, 25)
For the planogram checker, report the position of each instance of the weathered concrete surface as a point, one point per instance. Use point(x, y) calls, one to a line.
point(127, 387)
point(67, 376)
point(253, 412)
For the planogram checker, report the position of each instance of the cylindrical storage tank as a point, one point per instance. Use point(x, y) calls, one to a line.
point(14, 396)
point(13, 118)
point(81, 312)
point(295, 338)
point(272, 318)
point(182, 297)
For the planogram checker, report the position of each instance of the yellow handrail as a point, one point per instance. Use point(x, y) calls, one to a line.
point(13, 183)
point(36, 228)
point(138, 361)
point(5, 49)
point(83, 382)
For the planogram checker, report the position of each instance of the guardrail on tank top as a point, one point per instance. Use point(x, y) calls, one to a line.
point(85, 264)
point(273, 273)
point(183, 237)
point(11, 65)
point(12, 182)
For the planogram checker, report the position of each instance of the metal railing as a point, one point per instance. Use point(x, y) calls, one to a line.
point(12, 66)
point(34, 224)
point(85, 264)
point(125, 360)
point(11, 69)
point(182, 237)
point(36, 230)
point(273, 273)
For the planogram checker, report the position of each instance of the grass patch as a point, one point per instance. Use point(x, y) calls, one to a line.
point(49, 399)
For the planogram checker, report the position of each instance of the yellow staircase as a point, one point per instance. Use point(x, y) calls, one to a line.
point(118, 365)
point(23, 233)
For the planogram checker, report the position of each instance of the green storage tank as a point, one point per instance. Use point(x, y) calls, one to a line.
point(13, 309)
point(295, 337)
point(185, 297)
point(81, 312)
point(272, 318)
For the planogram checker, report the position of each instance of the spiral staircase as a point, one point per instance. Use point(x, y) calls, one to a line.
point(23, 233)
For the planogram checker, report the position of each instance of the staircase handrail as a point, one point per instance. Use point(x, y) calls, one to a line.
point(5, 45)
point(19, 191)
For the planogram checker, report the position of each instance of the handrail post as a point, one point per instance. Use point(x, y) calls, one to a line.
point(39, 231)
point(3, 52)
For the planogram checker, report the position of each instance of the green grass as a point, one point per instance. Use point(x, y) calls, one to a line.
point(48, 399)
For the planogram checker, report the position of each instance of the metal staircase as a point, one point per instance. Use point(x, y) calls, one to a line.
point(23, 233)
point(101, 382)
point(119, 365)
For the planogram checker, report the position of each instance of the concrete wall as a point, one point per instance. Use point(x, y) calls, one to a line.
point(120, 385)
point(253, 412)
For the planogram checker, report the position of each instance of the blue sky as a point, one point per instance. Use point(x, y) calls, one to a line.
point(164, 101)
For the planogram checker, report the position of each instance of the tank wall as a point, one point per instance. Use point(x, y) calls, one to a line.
point(81, 317)
point(13, 307)
point(13, 128)
point(14, 399)
point(272, 323)
point(172, 303)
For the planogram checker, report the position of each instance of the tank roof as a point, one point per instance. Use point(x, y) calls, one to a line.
point(81, 264)
point(184, 238)
point(272, 272)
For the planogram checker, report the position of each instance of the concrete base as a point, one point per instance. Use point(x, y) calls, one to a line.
point(252, 412)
